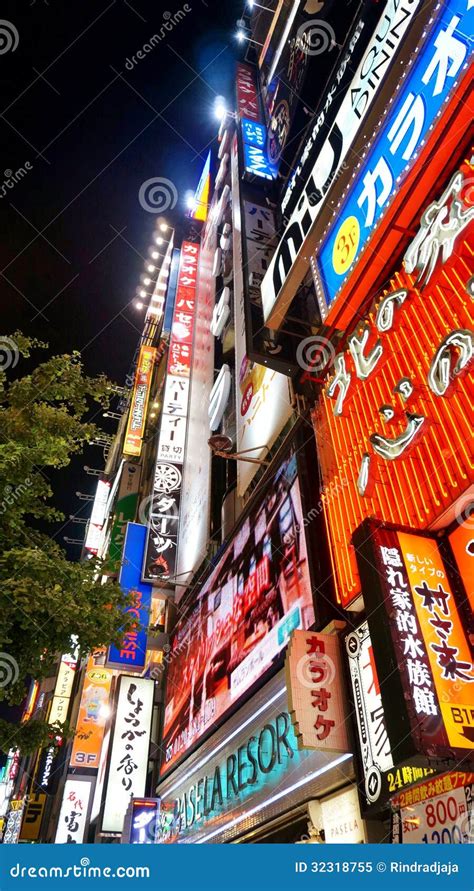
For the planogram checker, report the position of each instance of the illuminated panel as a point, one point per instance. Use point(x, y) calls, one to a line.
point(201, 198)
point(435, 467)
point(139, 403)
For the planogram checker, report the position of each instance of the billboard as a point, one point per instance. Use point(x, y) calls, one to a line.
point(461, 540)
point(315, 691)
point(128, 764)
point(392, 423)
point(420, 647)
point(139, 402)
point(262, 395)
point(73, 817)
point(92, 717)
point(289, 263)
point(195, 496)
point(436, 817)
point(32, 817)
point(164, 512)
point(243, 616)
point(426, 90)
point(125, 508)
point(132, 653)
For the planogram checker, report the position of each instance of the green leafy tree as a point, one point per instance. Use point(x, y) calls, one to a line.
point(44, 597)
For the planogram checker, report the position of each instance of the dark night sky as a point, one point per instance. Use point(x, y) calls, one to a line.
point(73, 234)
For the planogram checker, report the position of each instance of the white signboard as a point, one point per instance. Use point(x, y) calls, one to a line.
point(290, 260)
point(342, 821)
point(262, 395)
point(72, 823)
point(100, 503)
point(172, 439)
point(443, 820)
point(129, 756)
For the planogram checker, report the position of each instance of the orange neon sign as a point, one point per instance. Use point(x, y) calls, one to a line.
point(392, 444)
point(139, 402)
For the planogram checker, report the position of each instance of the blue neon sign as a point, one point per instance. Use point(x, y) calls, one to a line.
point(430, 85)
point(132, 653)
point(254, 137)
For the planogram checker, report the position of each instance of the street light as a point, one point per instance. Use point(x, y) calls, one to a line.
point(83, 497)
point(75, 541)
point(220, 107)
point(251, 4)
point(74, 519)
point(92, 471)
point(241, 36)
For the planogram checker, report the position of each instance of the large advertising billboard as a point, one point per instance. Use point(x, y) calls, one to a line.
point(93, 713)
point(139, 402)
point(259, 592)
point(131, 654)
point(392, 423)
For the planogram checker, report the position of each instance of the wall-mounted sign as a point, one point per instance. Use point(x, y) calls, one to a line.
point(342, 819)
point(392, 422)
point(100, 503)
point(315, 694)
point(128, 764)
point(132, 653)
point(262, 395)
point(144, 815)
point(200, 205)
point(73, 818)
point(242, 618)
point(254, 141)
point(13, 824)
point(427, 88)
point(32, 817)
point(252, 767)
point(247, 92)
point(92, 717)
point(163, 523)
point(279, 286)
point(139, 402)
point(125, 508)
point(442, 819)
point(63, 689)
point(461, 540)
point(421, 650)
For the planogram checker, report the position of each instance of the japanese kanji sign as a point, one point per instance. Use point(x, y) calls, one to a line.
point(32, 817)
point(434, 817)
point(73, 818)
point(139, 402)
point(92, 717)
point(129, 756)
point(163, 523)
point(315, 696)
point(427, 88)
point(421, 650)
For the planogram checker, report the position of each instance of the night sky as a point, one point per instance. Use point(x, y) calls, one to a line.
point(73, 234)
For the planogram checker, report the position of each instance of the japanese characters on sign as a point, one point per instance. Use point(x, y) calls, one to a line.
point(14, 820)
point(63, 688)
point(421, 650)
point(139, 402)
point(129, 755)
point(73, 818)
point(434, 819)
point(315, 696)
point(427, 88)
point(278, 286)
point(342, 819)
point(32, 817)
point(92, 717)
point(163, 524)
point(132, 652)
point(247, 93)
point(392, 423)
point(461, 540)
point(94, 532)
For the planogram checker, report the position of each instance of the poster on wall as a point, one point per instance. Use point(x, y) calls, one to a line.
point(438, 812)
point(243, 617)
point(420, 646)
point(128, 765)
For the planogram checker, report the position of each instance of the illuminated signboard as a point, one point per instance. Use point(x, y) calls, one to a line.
point(393, 421)
point(73, 818)
point(439, 811)
point(254, 139)
point(242, 618)
point(200, 205)
point(139, 402)
point(125, 508)
point(163, 523)
point(289, 264)
point(32, 817)
point(92, 717)
point(63, 688)
point(315, 694)
point(132, 653)
point(143, 821)
point(461, 540)
point(100, 503)
point(421, 650)
point(262, 394)
point(429, 86)
point(251, 769)
point(247, 92)
point(380, 778)
point(128, 765)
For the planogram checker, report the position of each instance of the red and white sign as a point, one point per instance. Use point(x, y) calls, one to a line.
point(72, 823)
point(443, 820)
point(315, 697)
point(247, 93)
